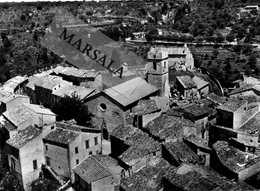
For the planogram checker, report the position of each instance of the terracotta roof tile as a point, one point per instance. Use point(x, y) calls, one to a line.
point(62, 136)
point(91, 170)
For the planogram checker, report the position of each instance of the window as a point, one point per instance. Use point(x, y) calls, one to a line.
point(90, 152)
point(52, 127)
point(35, 164)
point(103, 107)
point(77, 161)
point(96, 140)
point(48, 162)
point(87, 144)
point(46, 147)
point(12, 164)
point(154, 66)
point(76, 150)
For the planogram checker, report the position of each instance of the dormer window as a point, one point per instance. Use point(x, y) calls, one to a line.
point(103, 107)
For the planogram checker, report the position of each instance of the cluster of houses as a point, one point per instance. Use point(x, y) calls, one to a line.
point(142, 139)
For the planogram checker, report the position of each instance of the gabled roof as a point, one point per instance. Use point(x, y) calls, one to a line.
point(150, 178)
point(39, 109)
point(196, 110)
point(181, 152)
point(215, 98)
point(168, 127)
point(189, 177)
point(186, 82)
point(91, 170)
point(131, 91)
point(14, 96)
point(252, 126)
point(232, 105)
point(82, 92)
point(49, 82)
point(75, 72)
point(62, 136)
point(200, 82)
point(24, 136)
point(19, 114)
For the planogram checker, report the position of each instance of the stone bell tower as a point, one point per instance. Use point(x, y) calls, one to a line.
point(158, 71)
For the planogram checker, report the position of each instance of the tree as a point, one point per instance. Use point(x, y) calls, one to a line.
point(43, 184)
point(11, 183)
point(73, 108)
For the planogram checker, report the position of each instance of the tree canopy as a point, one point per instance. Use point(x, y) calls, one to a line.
point(73, 108)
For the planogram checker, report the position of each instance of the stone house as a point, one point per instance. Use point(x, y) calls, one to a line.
point(177, 152)
point(15, 84)
point(116, 103)
point(181, 58)
point(238, 120)
point(144, 112)
point(64, 149)
point(95, 173)
point(187, 87)
point(6, 103)
point(202, 85)
point(79, 77)
point(45, 87)
point(134, 148)
point(26, 155)
point(23, 115)
point(234, 163)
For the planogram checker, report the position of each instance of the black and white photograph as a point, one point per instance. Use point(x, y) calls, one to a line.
point(129, 95)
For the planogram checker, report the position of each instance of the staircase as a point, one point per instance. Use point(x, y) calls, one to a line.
point(55, 175)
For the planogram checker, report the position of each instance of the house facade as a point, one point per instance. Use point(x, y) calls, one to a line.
point(26, 155)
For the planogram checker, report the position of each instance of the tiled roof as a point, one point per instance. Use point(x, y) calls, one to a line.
point(17, 79)
point(91, 170)
point(168, 127)
point(232, 105)
point(186, 82)
point(140, 145)
point(196, 110)
point(233, 158)
point(39, 109)
point(80, 91)
point(200, 82)
point(75, 72)
point(161, 102)
point(19, 114)
point(244, 88)
point(49, 82)
point(150, 178)
point(62, 136)
point(109, 163)
point(190, 177)
point(74, 127)
point(122, 131)
point(12, 97)
point(145, 107)
point(24, 136)
point(4, 94)
point(32, 81)
point(252, 126)
point(181, 152)
point(215, 98)
point(131, 91)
